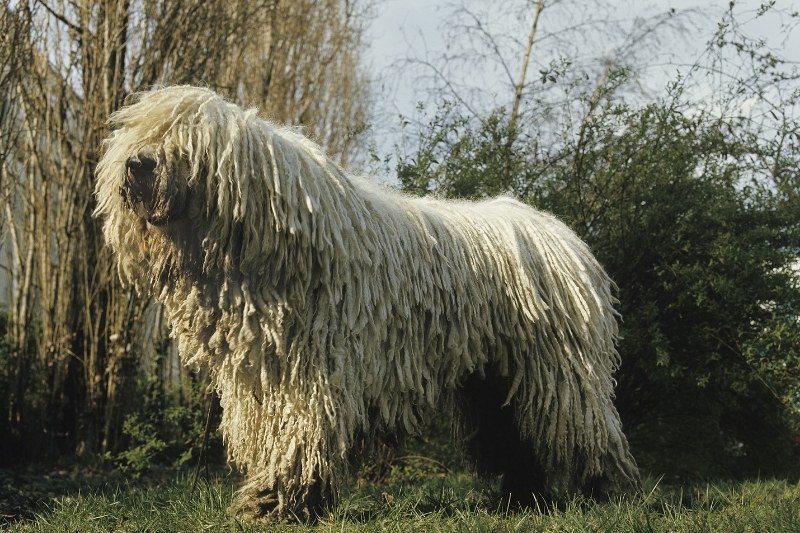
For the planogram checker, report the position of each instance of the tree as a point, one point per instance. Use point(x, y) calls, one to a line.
point(78, 341)
point(701, 251)
point(691, 205)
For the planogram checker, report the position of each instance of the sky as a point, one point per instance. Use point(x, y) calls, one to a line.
point(406, 33)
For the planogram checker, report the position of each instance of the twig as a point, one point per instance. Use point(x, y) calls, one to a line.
point(204, 447)
point(525, 59)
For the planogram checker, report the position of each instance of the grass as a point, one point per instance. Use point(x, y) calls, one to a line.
point(448, 502)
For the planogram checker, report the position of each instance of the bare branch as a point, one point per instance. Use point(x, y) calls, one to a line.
point(525, 58)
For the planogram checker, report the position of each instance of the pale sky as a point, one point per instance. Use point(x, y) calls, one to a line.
point(405, 29)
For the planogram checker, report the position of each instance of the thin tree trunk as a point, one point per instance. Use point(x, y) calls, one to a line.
point(525, 59)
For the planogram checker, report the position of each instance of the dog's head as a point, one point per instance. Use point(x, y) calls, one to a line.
point(161, 188)
point(153, 158)
point(188, 180)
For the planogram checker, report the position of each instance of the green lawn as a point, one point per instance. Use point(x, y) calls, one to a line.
point(451, 502)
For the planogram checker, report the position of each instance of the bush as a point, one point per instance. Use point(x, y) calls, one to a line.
point(702, 241)
point(168, 430)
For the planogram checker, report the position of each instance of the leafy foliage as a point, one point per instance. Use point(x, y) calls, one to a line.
point(702, 239)
point(172, 427)
point(145, 445)
point(701, 251)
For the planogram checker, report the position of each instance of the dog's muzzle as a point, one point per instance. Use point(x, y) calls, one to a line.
point(141, 167)
point(140, 178)
point(150, 191)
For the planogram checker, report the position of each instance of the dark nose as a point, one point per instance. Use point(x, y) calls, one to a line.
point(141, 167)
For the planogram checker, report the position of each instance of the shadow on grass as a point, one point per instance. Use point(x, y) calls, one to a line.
point(28, 491)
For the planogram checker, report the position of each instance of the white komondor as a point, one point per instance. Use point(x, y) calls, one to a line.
point(332, 311)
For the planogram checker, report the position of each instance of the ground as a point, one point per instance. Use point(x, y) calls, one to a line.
point(413, 492)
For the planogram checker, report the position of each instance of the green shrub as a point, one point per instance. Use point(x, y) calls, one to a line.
point(143, 450)
point(702, 240)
